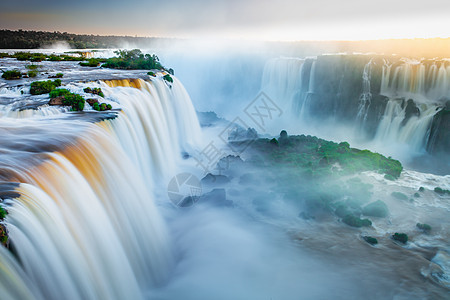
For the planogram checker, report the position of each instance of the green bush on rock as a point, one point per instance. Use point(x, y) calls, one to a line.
point(44, 87)
point(401, 237)
point(95, 91)
point(3, 213)
point(168, 78)
point(133, 60)
point(76, 101)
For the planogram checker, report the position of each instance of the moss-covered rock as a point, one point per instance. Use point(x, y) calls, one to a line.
point(95, 91)
point(12, 74)
point(76, 101)
point(370, 240)
point(441, 191)
point(424, 227)
point(44, 87)
point(376, 209)
point(399, 196)
point(354, 221)
point(389, 177)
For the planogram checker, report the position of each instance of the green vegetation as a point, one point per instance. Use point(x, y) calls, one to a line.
point(12, 74)
point(32, 67)
point(28, 56)
point(33, 73)
point(91, 63)
point(401, 237)
point(95, 91)
point(151, 74)
point(3, 213)
point(441, 191)
point(389, 177)
point(168, 78)
point(44, 87)
point(399, 196)
point(57, 75)
point(354, 221)
point(320, 157)
point(370, 240)
point(101, 107)
point(274, 141)
point(424, 227)
point(54, 58)
point(133, 60)
point(76, 101)
point(3, 54)
point(421, 189)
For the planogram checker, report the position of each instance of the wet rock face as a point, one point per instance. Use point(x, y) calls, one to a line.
point(56, 101)
point(439, 140)
point(411, 110)
point(91, 101)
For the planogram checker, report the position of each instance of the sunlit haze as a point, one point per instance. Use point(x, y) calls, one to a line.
point(284, 20)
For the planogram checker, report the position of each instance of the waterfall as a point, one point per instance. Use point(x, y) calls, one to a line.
point(282, 81)
point(366, 96)
point(393, 129)
point(425, 82)
point(379, 112)
point(290, 84)
point(85, 225)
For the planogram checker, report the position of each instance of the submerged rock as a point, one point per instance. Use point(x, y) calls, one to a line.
point(211, 179)
point(424, 227)
point(306, 216)
point(216, 197)
point(376, 209)
point(399, 196)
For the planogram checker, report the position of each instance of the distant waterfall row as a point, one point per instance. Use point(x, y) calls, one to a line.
point(387, 102)
point(85, 225)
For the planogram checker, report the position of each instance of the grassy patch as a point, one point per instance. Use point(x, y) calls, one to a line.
point(44, 87)
point(12, 74)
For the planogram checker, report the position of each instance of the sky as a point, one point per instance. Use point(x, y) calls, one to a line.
point(280, 20)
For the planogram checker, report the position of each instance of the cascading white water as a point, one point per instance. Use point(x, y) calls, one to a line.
point(417, 80)
point(282, 80)
point(366, 96)
point(426, 83)
point(85, 225)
